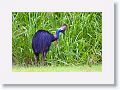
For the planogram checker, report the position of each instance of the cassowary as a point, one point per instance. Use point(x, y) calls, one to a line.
point(42, 40)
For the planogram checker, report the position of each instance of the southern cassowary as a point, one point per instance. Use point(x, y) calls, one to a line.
point(42, 40)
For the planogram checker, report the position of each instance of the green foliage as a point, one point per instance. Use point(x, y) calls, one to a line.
point(81, 44)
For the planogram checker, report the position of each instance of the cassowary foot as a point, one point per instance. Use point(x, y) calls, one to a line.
point(42, 63)
point(36, 59)
point(36, 62)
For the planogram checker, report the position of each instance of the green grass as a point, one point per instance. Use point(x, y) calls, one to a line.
point(82, 68)
point(81, 44)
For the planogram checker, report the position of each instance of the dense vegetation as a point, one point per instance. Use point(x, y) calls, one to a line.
point(81, 44)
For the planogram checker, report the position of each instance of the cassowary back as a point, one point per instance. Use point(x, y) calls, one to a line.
point(41, 41)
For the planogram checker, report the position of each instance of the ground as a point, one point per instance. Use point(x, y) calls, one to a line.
point(85, 68)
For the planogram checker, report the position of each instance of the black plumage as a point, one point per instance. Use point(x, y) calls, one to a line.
point(41, 42)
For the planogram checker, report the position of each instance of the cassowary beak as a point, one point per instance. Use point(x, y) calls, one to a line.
point(63, 28)
point(63, 31)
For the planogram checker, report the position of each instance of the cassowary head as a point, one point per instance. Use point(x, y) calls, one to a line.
point(63, 28)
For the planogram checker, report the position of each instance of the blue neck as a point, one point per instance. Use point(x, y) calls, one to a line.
point(57, 33)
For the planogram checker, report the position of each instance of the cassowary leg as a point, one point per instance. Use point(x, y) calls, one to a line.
point(43, 58)
point(36, 58)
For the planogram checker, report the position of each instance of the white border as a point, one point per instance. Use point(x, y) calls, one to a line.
point(104, 77)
